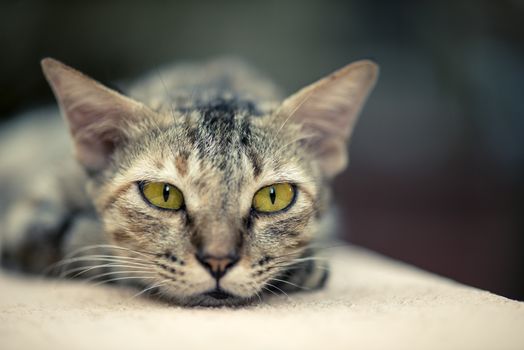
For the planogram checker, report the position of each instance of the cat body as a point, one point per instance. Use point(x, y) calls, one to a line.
point(197, 183)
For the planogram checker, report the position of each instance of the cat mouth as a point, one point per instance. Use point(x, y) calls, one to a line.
point(219, 294)
point(218, 297)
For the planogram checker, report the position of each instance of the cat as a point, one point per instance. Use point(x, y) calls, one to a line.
point(200, 184)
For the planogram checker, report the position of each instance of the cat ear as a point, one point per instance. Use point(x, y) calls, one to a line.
point(98, 117)
point(328, 109)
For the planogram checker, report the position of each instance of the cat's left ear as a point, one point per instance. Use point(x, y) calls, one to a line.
point(327, 111)
point(99, 118)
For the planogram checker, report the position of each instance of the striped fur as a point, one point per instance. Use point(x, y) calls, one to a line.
point(218, 133)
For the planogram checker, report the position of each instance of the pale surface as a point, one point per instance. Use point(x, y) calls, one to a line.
point(369, 303)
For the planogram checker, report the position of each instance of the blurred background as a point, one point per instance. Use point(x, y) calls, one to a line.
point(437, 160)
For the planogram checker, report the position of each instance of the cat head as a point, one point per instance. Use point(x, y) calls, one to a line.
point(217, 201)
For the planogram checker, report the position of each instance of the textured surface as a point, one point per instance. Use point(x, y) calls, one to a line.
point(370, 302)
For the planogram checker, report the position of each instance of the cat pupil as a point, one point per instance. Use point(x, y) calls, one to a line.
point(272, 195)
point(166, 193)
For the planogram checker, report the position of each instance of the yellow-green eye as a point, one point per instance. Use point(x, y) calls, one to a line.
point(162, 195)
point(273, 198)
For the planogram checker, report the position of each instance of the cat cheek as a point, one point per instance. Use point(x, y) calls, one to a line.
point(121, 237)
point(239, 281)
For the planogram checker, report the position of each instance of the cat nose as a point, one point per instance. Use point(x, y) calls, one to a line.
point(217, 266)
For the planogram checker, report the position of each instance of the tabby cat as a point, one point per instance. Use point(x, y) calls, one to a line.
point(198, 184)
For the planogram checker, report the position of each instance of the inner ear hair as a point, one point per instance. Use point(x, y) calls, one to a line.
point(328, 110)
point(99, 118)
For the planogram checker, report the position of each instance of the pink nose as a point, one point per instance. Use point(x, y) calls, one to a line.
point(217, 266)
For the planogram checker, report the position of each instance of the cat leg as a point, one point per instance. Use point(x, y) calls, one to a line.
point(310, 274)
point(31, 234)
point(45, 239)
point(38, 217)
point(84, 251)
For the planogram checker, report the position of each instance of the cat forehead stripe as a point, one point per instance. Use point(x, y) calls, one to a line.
point(231, 106)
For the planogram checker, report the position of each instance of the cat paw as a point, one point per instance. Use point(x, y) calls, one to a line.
point(307, 276)
point(32, 234)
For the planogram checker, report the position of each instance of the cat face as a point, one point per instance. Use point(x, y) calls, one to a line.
point(213, 202)
point(218, 168)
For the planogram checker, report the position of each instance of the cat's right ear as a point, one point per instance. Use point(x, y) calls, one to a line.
point(99, 118)
point(327, 111)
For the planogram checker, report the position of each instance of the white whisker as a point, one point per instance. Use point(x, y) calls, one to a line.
point(259, 297)
point(148, 288)
point(291, 114)
point(84, 269)
point(269, 290)
point(109, 246)
point(292, 284)
point(310, 258)
point(273, 286)
point(123, 278)
point(117, 273)
point(134, 261)
point(297, 107)
point(290, 267)
point(304, 137)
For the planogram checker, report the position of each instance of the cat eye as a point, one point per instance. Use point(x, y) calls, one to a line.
point(162, 195)
point(273, 198)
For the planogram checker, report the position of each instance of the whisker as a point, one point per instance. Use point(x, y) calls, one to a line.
point(291, 267)
point(63, 262)
point(282, 259)
point(269, 290)
point(159, 284)
point(84, 269)
point(295, 264)
point(171, 106)
point(305, 137)
point(105, 258)
point(114, 256)
point(298, 263)
point(109, 246)
point(317, 247)
point(90, 279)
point(67, 257)
point(291, 114)
point(273, 286)
point(297, 107)
point(259, 297)
point(310, 258)
point(123, 278)
point(108, 261)
point(290, 283)
point(293, 252)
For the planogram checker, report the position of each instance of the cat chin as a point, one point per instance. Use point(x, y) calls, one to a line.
point(211, 299)
point(206, 300)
